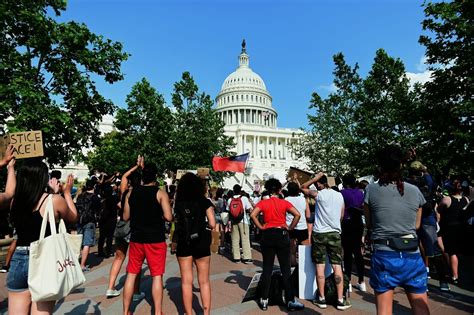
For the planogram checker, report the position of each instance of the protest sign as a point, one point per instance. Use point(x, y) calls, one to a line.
point(26, 144)
point(203, 172)
point(307, 285)
point(298, 176)
point(180, 173)
point(331, 181)
point(251, 292)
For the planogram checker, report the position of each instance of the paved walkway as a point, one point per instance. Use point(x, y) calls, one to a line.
point(229, 282)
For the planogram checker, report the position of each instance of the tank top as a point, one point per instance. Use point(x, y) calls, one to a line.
point(28, 228)
point(453, 214)
point(146, 216)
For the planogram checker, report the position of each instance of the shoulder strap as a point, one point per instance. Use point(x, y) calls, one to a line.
point(41, 204)
point(48, 216)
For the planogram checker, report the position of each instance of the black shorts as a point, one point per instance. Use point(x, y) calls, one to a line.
point(452, 239)
point(198, 248)
point(299, 235)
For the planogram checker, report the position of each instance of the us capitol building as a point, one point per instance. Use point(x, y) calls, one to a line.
point(245, 106)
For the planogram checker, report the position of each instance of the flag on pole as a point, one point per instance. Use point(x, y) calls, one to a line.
point(234, 163)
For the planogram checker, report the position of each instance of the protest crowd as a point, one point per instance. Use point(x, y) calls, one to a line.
point(412, 226)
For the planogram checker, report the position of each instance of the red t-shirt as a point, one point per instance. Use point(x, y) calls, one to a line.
point(274, 212)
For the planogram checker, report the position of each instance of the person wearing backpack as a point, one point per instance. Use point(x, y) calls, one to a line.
point(195, 219)
point(275, 240)
point(88, 206)
point(238, 206)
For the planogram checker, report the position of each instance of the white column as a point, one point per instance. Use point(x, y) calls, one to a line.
point(275, 154)
point(267, 147)
point(257, 146)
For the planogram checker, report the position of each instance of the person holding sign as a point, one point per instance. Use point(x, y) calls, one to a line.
point(27, 211)
point(9, 162)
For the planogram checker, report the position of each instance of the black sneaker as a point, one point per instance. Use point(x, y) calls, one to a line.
point(444, 286)
point(247, 261)
point(455, 280)
point(295, 305)
point(344, 305)
point(320, 302)
point(236, 260)
point(4, 269)
point(263, 304)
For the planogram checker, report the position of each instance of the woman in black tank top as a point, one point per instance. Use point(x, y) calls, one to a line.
point(452, 227)
point(27, 212)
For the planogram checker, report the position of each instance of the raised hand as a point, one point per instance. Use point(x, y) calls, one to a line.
point(69, 184)
point(8, 156)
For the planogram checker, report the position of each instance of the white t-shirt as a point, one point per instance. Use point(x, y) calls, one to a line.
point(299, 202)
point(247, 206)
point(327, 216)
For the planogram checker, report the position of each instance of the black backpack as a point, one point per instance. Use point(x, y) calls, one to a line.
point(84, 208)
point(330, 289)
point(190, 222)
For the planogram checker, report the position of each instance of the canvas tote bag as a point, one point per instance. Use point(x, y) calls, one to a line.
point(54, 270)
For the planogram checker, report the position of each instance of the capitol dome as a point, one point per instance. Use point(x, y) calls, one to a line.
point(244, 98)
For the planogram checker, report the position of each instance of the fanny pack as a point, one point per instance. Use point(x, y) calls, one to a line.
point(400, 243)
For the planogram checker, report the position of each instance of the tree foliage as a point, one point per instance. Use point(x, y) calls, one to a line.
point(448, 110)
point(184, 136)
point(199, 133)
point(47, 72)
point(362, 115)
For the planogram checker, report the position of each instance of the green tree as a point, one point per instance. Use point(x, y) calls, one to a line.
point(448, 110)
point(186, 137)
point(47, 73)
point(115, 152)
point(386, 112)
point(326, 144)
point(199, 133)
point(362, 115)
point(148, 122)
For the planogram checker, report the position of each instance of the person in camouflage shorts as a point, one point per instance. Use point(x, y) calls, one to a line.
point(326, 244)
point(326, 237)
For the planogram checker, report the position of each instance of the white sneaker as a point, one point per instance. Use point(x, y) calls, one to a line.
point(112, 293)
point(350, 288)
point(138, 297)
point(361, 287)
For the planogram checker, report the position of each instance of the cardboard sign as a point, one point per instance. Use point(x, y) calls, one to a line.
point(180, 173)
point(298, 176)
point(331, 181)
point(26, 144)
point(203, 172)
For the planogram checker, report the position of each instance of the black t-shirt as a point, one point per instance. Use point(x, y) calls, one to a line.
point(146, 216)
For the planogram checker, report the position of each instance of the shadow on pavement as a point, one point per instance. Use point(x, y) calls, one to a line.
point(175, 296)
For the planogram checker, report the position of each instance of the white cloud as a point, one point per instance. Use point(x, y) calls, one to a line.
point(423, 75)
point(421, 66)
point(330, 88)
point(419, 77)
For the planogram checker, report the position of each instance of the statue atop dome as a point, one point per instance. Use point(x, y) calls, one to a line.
point(244, 46)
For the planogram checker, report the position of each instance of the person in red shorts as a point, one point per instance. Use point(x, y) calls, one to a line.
point(147, 207)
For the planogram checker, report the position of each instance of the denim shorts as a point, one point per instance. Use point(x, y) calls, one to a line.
point(17, 278)
point(88, 234)
point(392, 269)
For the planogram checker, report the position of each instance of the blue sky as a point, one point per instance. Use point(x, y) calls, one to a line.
point(290, 43)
